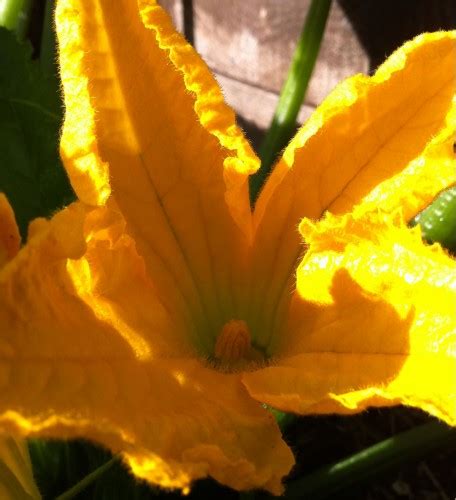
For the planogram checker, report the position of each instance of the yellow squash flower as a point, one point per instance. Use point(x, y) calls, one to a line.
point(158, 314)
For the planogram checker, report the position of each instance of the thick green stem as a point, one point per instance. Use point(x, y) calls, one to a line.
point(438, 220)
point(329, 481)
point(14, 15)
point(88, 480)
point(293, 92)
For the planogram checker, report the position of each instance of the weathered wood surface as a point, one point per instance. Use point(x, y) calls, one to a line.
point(253, 42)
point(248, 43)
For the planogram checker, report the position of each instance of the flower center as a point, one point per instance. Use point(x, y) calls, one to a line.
point(233, 342)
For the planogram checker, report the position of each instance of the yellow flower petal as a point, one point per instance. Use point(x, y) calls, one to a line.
point(16, 475)
point(169, 419)
point(198, 430)
point(10, 239)
point(373, 322)
point(106, 310)
point(88, 351)
point(374, 129)
point(384, 141)
point(143, 109)
point(80, 273)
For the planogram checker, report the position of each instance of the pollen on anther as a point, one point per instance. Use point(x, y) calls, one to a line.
point(233, 342)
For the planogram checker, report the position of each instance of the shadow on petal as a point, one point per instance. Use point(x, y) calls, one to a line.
point(343, 341)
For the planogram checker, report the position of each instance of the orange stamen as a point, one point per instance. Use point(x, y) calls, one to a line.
point(233, 342)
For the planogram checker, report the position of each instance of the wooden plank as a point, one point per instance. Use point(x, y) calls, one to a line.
point(249, 43)
point(254, 106)
point(253, 41)
point(257, 105)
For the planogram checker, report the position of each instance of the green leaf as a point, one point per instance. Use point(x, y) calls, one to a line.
point(87, 480)
point(66, 466)
point(48, 47)
point(370, 463)
point(31, 173)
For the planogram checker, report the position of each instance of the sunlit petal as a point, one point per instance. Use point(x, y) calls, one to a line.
point(176, 162)
point(372, 323)
point(384, 141)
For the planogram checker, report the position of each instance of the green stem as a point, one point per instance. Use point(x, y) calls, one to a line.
point(293, 92)
point(88, 480)
point(48, 42)
point(438, 220)
point(14, 15)
point(283, 419)
point(329, 481)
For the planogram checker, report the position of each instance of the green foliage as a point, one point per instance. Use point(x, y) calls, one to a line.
point(367, 465)
point(15, 15)
point(31, 174)
point(59, 465)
